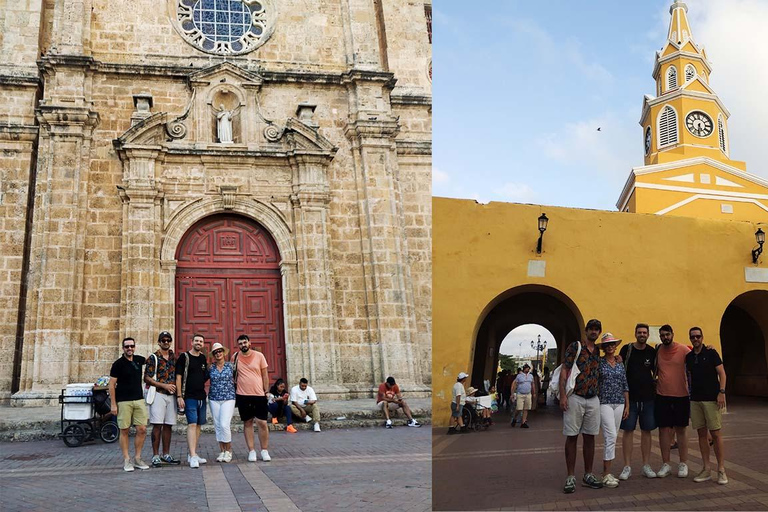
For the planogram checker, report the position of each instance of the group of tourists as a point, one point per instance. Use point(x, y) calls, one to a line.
point(664, 387)
point(176, 384)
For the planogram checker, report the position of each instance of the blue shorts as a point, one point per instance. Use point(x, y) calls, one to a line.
point(195, 411)
point(642, 410)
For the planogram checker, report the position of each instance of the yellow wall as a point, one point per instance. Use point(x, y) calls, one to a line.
point(619, 267)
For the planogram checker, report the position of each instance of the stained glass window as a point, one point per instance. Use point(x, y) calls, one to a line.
point(223, 26)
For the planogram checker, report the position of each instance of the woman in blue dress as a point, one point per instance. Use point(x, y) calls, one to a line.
point(222, 399)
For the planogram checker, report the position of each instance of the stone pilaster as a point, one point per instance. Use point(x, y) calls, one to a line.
point(389, 295)
point(141, 229)
point(361, 34)
point(54, 301)
point(310, 202)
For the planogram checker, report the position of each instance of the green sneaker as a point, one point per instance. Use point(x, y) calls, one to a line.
point(570, 484)
point(591, 480)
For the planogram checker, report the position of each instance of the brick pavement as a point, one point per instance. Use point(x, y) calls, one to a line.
point(513, 469)
point(340, 469)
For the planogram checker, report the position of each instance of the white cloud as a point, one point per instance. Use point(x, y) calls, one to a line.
point(439, 177)
point(518, 341)
point(609, 150)
point(516, 192)
point(552, 51)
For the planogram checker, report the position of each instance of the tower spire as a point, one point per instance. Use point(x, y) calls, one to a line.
point(679, 28)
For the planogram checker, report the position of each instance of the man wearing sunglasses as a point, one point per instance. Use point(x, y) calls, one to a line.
point(161, 373)
point(128, 402)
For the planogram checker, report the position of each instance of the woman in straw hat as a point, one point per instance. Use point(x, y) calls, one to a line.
point(614, 402)
point(222, 399)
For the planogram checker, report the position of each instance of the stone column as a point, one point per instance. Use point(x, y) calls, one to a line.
point(392, 325)
point(310, 201)
point(141, 232)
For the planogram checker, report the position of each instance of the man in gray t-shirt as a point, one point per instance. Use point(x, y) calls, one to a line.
point(526, 394)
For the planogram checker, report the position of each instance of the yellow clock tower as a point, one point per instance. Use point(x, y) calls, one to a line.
point(688, 170)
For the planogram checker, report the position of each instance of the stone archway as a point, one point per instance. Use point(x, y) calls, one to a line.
point(744, 341)
point(527, 304)
point(228, 283)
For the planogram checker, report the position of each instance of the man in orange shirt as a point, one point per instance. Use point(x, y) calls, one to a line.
point(251, 385)
point(390, 400)
point(673, 406)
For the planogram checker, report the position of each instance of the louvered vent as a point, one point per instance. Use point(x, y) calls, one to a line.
point(667, 127)
point(721, 133)
point(671, 78)
point(690, 72)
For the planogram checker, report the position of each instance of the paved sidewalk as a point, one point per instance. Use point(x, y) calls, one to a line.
point(514, 469)
point(341, 469)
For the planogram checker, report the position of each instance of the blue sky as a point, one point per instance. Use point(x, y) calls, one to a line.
point(520, 89)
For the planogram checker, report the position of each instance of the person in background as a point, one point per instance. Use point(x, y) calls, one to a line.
point(279, 406)
point(304, 403)
point(457, 404)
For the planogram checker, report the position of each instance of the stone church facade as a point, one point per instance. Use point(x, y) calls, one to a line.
point(216, 166)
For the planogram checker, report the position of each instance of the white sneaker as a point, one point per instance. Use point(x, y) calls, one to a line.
point(220, 458)
point(682, 470)
point(625, 473)
point(252, 456)
point(307, 418)
point(610, 481)
point(648, 472)
point(193, 463)
point(388, 424)
point(128, 465)
point(265, 456)
point(317, 427)
point(227, 457)
point(664, 471)
point(414, 423)
point(201, 460)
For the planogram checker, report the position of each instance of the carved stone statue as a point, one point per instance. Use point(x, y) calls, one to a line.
point(224, 124)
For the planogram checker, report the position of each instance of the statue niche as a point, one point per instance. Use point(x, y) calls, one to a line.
point(225, 121)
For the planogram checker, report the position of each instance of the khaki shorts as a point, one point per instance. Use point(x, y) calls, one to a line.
point(706, 414)
point(132, 412)
point(392, 406)
point(523, 402)
point(582, 416)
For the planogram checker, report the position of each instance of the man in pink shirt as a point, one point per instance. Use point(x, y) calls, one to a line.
point(252, 383)
point(673, 405)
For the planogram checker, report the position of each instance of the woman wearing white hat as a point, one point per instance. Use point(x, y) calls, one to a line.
point(614, 401)
point(222, 399)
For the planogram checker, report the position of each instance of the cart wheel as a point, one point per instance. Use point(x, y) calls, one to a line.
point(73, 435)
point(109, 432)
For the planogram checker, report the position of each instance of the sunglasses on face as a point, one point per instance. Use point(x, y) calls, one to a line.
point(129, 346)
point(166, 340)
point(696, 337)
point(216, 352)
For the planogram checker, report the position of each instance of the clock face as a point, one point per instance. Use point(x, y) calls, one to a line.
point(699, 124)
point(647, 140)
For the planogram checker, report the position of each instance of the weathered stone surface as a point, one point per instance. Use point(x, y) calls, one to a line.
point(331, 153)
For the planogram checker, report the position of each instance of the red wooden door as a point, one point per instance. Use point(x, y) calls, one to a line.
point(228, 283)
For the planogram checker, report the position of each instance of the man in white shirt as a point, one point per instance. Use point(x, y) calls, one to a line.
point(304, 403)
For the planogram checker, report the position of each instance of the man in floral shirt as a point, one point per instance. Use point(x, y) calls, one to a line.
point(161, 373)
point(581, 410)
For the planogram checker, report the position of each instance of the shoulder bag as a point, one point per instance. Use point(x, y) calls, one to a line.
point(149, 390)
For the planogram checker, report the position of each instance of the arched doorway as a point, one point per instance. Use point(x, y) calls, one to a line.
point(528, 304)
point(228, 283)
point(744, 339)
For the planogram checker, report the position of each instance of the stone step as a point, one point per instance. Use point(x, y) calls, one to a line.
point(36, 423)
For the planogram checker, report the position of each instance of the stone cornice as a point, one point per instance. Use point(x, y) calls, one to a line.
point(411, 99)
point(20, 81)
point(18, 132)
point(414, 147)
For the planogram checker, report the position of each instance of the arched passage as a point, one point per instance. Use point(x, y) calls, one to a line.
point(744, 339)
point(528, 304)
point(228, 283)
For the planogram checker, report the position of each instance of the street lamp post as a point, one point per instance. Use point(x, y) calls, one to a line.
point(539, 346)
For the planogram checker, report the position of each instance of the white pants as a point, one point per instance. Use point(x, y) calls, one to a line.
point(222, 411)
point(610, 418)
